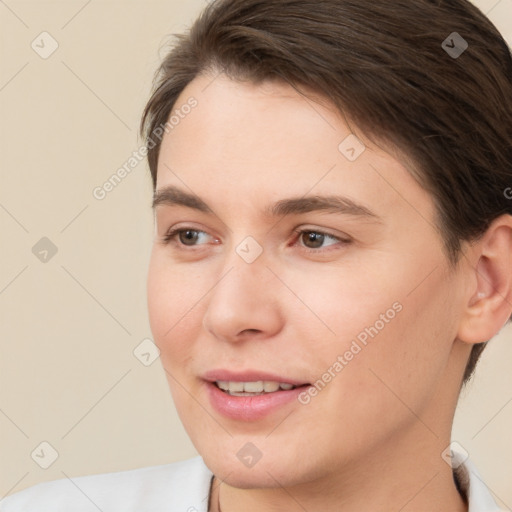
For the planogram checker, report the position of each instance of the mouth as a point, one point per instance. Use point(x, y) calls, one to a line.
point(250, 395)
point(254, 388)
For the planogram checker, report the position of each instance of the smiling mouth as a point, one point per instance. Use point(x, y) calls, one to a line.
point(254, 388)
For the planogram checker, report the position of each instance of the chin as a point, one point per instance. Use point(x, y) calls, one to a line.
point(250, 478)
point(267, 473)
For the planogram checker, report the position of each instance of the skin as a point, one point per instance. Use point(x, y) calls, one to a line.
point(372, 438)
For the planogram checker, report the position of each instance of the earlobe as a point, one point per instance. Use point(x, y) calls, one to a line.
point(489, 303)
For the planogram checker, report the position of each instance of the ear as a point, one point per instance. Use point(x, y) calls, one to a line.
point(489, 300)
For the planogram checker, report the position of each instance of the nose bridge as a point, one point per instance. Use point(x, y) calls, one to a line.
point(243, 299)
point(245, 265)
point(242, 283)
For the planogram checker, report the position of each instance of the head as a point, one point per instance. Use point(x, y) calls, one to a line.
point(369, 166)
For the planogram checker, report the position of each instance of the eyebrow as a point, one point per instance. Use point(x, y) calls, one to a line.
point(173, 196)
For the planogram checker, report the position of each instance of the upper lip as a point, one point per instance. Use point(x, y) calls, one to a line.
point(248, 376)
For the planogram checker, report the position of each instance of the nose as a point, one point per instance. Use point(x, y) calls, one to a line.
point(244, 304)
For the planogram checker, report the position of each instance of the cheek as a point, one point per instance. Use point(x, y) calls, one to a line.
point(403, 362)
point(381, 324)
point(370, 394)
point(174, 295)
point(339, 303)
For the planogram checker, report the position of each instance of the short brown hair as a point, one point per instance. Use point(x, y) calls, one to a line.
point(388, 67)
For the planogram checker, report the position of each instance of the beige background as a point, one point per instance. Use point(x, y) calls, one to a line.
point(68, 327)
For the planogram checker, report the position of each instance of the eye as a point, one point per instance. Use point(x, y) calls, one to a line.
point(186, 236)
point(312, 239)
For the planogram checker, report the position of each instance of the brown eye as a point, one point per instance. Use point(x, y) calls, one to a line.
point(188, 236)
point(312, 239)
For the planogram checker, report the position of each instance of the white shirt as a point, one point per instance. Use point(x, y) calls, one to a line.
point(178, 487)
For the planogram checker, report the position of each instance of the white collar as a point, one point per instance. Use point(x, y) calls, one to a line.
point(471, 484)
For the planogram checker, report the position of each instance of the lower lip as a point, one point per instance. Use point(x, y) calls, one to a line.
point(250, 408)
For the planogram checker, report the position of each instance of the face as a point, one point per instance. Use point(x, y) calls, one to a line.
point(283, 257)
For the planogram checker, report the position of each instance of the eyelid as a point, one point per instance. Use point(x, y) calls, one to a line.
point(342, 237)
point(171, 234)
point(342, 240)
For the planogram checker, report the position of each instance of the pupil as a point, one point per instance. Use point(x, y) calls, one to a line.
point(313, 240)
point(188, 237)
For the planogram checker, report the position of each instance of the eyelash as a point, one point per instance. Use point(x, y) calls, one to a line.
point(300, 231)
point(172, 234)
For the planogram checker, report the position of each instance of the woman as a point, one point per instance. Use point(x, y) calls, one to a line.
point(333, 249)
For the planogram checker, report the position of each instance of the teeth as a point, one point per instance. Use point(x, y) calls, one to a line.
point(223, 384)
point(252, 388)
point(270, 387)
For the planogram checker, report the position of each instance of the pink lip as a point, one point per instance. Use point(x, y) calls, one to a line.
point(249, 408)
point(248, 376)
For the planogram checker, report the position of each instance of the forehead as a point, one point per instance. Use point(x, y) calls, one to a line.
point(249, 142)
